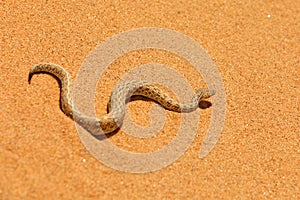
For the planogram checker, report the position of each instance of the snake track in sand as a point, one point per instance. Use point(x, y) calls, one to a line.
point(116, 107)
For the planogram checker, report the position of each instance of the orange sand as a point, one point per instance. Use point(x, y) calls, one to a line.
point(256, 49)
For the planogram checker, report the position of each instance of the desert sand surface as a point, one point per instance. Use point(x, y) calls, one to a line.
point(255, 47)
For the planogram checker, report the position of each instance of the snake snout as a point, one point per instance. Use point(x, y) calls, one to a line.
point(212, 91)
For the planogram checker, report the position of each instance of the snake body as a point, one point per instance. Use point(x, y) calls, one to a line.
point(116, 107)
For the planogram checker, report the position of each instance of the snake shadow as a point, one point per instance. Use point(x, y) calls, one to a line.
point(202, 105)
point(57, 79)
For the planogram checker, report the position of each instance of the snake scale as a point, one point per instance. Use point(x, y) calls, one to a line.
point(118, 99)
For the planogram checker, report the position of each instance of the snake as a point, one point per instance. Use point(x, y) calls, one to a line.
point(119, 97)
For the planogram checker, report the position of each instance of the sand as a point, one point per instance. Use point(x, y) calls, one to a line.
point(255, 47)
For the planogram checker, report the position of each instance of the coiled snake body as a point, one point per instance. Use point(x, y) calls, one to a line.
point(116, 107)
